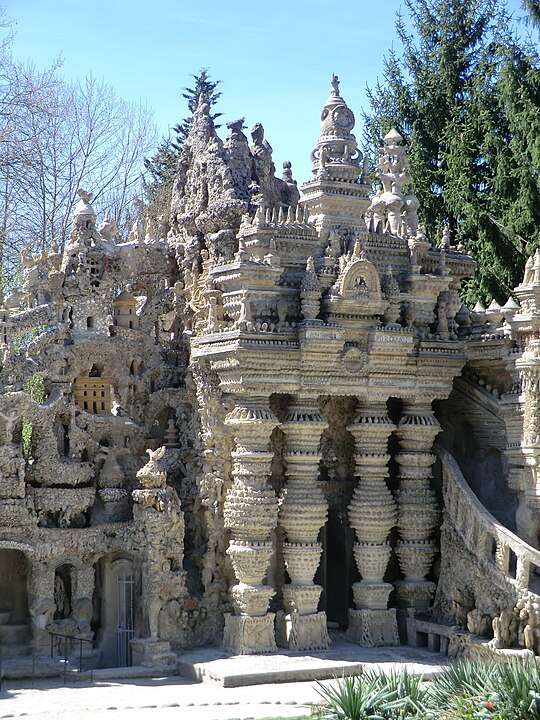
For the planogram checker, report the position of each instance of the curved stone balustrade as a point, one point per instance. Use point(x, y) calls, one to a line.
point(481, 533)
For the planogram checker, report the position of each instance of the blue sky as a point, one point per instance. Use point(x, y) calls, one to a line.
point(274, 58)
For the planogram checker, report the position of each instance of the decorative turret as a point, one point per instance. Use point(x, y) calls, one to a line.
point(400, 211)
point(341, 185)
point(125, 311)
point(336, 156)
point(84, 215)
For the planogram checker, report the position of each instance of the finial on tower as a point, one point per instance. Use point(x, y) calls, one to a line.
point(336, 156)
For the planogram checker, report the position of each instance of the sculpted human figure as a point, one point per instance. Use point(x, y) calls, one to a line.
point(108, 228)
point(244, 319)
point(236, 127)
point(290, 194)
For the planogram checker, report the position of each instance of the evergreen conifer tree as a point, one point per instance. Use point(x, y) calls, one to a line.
point(465, 94)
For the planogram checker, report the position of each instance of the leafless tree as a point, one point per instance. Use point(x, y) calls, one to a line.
point(54, 138)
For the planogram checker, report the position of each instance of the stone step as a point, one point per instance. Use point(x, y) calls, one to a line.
point(13, 633)
point(9, 650)
point(4, 616)
point(89, 659)
point(342, 658)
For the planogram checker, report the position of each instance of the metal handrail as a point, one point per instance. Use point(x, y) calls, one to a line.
point(80, 640)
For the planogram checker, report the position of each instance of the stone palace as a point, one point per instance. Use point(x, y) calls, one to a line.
point(267, 416)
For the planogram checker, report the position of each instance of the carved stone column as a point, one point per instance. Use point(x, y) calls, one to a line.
point(302, 515)
point(418, 513)
point(250, 512)
point(372, 514)
point(528, 487)
point(41, 603)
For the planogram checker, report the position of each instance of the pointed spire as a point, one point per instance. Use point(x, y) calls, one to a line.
point(337, 147)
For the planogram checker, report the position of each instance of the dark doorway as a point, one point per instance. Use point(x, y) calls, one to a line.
point(337, 571)
point(13, 590)
point(63, 584)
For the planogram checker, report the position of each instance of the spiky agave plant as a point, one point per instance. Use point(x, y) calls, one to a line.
point(462, 679)
point(398, 694)
point(508, 690)
point(356, 698)
point(410, 694)
point(516, 689)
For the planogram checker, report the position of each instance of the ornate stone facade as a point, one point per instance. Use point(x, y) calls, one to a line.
point(287, 357)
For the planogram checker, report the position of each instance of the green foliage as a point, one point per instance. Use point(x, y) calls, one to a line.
point(26, 437)
point(533, 8)
point(501, 691)
point(465, 93)
point(376, 695)
point(22, 341)
point(463, 691)
point(355, 698)
point(36, 390)
point(204, 89)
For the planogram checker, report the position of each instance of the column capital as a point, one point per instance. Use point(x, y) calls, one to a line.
point(252, 422)
point(371, 427)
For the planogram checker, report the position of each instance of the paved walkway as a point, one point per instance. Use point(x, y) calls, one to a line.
point(156, 699)
point(119, 693)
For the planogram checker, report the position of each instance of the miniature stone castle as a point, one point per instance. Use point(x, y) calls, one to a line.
point(333, 439)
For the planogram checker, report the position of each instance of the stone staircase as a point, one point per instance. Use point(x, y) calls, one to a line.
point(14, 637)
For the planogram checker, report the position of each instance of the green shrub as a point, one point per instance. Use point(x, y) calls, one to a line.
point(35, 388)
point(497, 690)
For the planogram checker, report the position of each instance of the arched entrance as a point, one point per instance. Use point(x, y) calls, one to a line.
point(14, 616)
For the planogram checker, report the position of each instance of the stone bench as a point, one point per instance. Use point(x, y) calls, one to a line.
point(424, 633)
